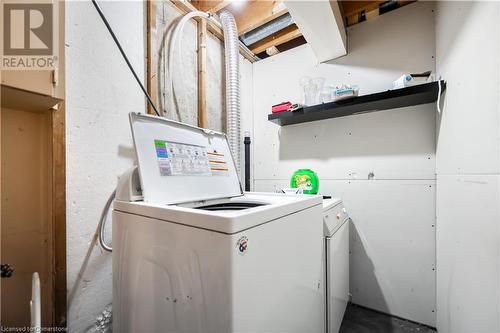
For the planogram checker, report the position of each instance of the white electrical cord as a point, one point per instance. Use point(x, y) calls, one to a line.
point(102, 223)
point(173, 43)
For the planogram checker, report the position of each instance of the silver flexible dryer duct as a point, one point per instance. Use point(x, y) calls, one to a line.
point(233, 102)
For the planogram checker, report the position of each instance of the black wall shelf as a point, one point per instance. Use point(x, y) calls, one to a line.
point(391, 99)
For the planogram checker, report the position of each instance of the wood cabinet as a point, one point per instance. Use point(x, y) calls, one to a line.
point(32, 198)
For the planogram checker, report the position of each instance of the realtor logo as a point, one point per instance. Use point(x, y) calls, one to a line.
point(28, 36)
point(27, 29)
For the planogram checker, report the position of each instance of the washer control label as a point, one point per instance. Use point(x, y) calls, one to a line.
point(179, 159)
point(242, 245)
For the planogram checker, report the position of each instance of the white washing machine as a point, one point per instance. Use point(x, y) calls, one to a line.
point(196, 254)
point(336, 250)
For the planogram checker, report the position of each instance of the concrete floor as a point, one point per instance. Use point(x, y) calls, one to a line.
point(358, 319)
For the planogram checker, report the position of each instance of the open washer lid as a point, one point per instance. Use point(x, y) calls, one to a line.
point(182, 163)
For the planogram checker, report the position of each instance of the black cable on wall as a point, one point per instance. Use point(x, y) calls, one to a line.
point(106, 23)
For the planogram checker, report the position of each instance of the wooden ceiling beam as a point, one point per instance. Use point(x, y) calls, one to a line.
point(278, 38)
point(256, 22)
point(211, 6)
point(252, 14)
point(355, 12)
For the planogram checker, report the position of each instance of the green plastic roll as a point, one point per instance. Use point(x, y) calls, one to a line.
point(306, 179)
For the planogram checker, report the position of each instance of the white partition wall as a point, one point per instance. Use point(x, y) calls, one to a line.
point(393, 235)
point(468, 180)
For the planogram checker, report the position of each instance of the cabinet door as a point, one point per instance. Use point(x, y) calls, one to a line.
point(339, 276)
point(44, 82)
point(40, 82)
point(26, 220)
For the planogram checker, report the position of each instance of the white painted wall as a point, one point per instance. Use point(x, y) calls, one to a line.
point(393, 238)
point(468, 166)
point(100, 92)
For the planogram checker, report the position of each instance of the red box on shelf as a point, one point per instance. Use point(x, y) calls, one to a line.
point(282, 107)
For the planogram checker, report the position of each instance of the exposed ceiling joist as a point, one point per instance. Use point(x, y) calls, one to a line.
point(252, 14)
point(211, 6)
point(257, 21)
point(252, 17)
point(267, 29)
point(292, 44)
point(359, 11)
point(354, 7)
point(279, 38)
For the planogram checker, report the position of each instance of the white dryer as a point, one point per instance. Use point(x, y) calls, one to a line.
point(336, 254)
point(196, 254)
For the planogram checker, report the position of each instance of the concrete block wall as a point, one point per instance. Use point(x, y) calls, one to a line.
point(100, 92)
point(468, 167)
